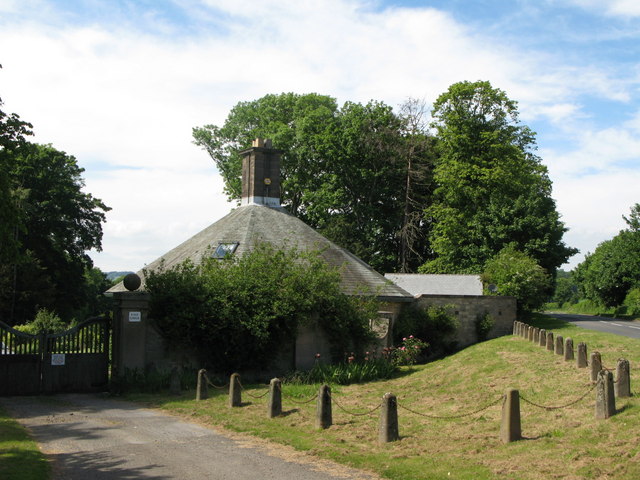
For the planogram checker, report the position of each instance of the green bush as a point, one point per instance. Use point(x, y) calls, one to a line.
point(483, 323)
point(242, 312)
point(409, 352)
point(367, 369)
point(632, 301)
point(516, 274)
point(45, 321)
point(436, 325)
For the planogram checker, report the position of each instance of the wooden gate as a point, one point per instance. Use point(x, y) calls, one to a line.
point(73, 361)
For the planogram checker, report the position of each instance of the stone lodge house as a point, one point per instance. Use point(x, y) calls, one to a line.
point(260, 218)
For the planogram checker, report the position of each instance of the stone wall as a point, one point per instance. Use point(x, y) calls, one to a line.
point(467, 308)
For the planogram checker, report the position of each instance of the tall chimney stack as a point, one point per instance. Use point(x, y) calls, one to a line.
point(261, 174)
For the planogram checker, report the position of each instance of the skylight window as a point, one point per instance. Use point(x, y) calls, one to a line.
point(225, 249)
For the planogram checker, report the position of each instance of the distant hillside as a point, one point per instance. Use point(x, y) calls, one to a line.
point(114, 275)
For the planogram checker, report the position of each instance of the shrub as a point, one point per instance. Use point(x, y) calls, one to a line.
point(435, 324)
point(632, 301)
point(409, 352)
point(516, 274)
point(484, 323)
point(45, 321)
point(352, 370)
point(240, 313)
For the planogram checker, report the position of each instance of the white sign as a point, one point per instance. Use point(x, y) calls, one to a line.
point(135, 316)
point(57, 359)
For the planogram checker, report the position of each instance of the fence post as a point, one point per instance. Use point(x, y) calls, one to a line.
point(550, 341)
point(235, 393)
point(202, 389)
point(543, 338)
point(605, 399)
point(510, 427)
point(623, 379)
point(568, 349)
point(559, 345)
point(388, 430)
point(274, 406)
point(581, 360)
point(324, 419)
point(596, 365)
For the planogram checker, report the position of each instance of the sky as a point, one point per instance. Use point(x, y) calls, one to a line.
point(120, 84)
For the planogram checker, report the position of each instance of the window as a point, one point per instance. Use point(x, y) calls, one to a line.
point(224, 249)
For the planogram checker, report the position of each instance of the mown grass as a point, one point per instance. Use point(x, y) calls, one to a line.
point(565, 443)
point(20, 458)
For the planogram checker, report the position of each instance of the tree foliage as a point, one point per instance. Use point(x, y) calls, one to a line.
point(47, 224)
point(492, 190)
point(358, 173)
point(517, 274)
point(608, 274)
point(242, 312)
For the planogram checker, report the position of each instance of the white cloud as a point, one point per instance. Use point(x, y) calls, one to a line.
point(117, 96)
point(617, 8)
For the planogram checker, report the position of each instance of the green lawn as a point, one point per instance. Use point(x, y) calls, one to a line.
point(20, 458)
point(564, 443)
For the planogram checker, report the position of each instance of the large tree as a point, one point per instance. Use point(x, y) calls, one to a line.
point(608, 274)
point(12, 135)
point(356, 173)
point(55, 225)
point(492, 190)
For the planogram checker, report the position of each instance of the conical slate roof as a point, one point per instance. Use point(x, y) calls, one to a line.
point(251, 224)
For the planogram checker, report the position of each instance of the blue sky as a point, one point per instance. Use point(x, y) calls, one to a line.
point(119, 84)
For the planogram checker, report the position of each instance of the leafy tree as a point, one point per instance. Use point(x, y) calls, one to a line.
point(12, 136)
point(566, 290)
point(608, 274)
point(516, 274)
point(241, 312)
point(492, 190)
point(56, 223)
point(356, 173)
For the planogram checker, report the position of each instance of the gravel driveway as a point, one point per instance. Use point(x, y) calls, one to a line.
point(98, 438)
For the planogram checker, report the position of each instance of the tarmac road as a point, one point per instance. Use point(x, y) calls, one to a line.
point(94, 437)
point(626, 328)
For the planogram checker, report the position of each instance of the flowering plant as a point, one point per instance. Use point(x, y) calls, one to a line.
point(408, 352)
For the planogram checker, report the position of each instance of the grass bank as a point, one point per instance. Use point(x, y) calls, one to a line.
point(467, 387)
point(20, 458)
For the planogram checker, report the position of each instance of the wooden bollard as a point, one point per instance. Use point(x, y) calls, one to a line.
point(235, 391)
point(515, 327)
point(605, 397)
point(202, 388)
point(510, 427)
point(525, 331)
point(274, 406)
point(581, 359)
point(388, 430)
point(543, 338)
point(568, 349)
point(530, 334)
point(623, 379)
point(550, 341)
point(536, 335)
point(559, 348)
point(324, 418)
point(596, 365)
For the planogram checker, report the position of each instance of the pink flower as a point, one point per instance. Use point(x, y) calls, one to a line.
point(410, 336)
point(317, 355)
point(404, 339)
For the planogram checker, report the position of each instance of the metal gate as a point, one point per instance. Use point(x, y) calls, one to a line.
point(73, 361)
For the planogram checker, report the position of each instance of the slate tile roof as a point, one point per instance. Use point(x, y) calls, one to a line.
point(252, 224)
